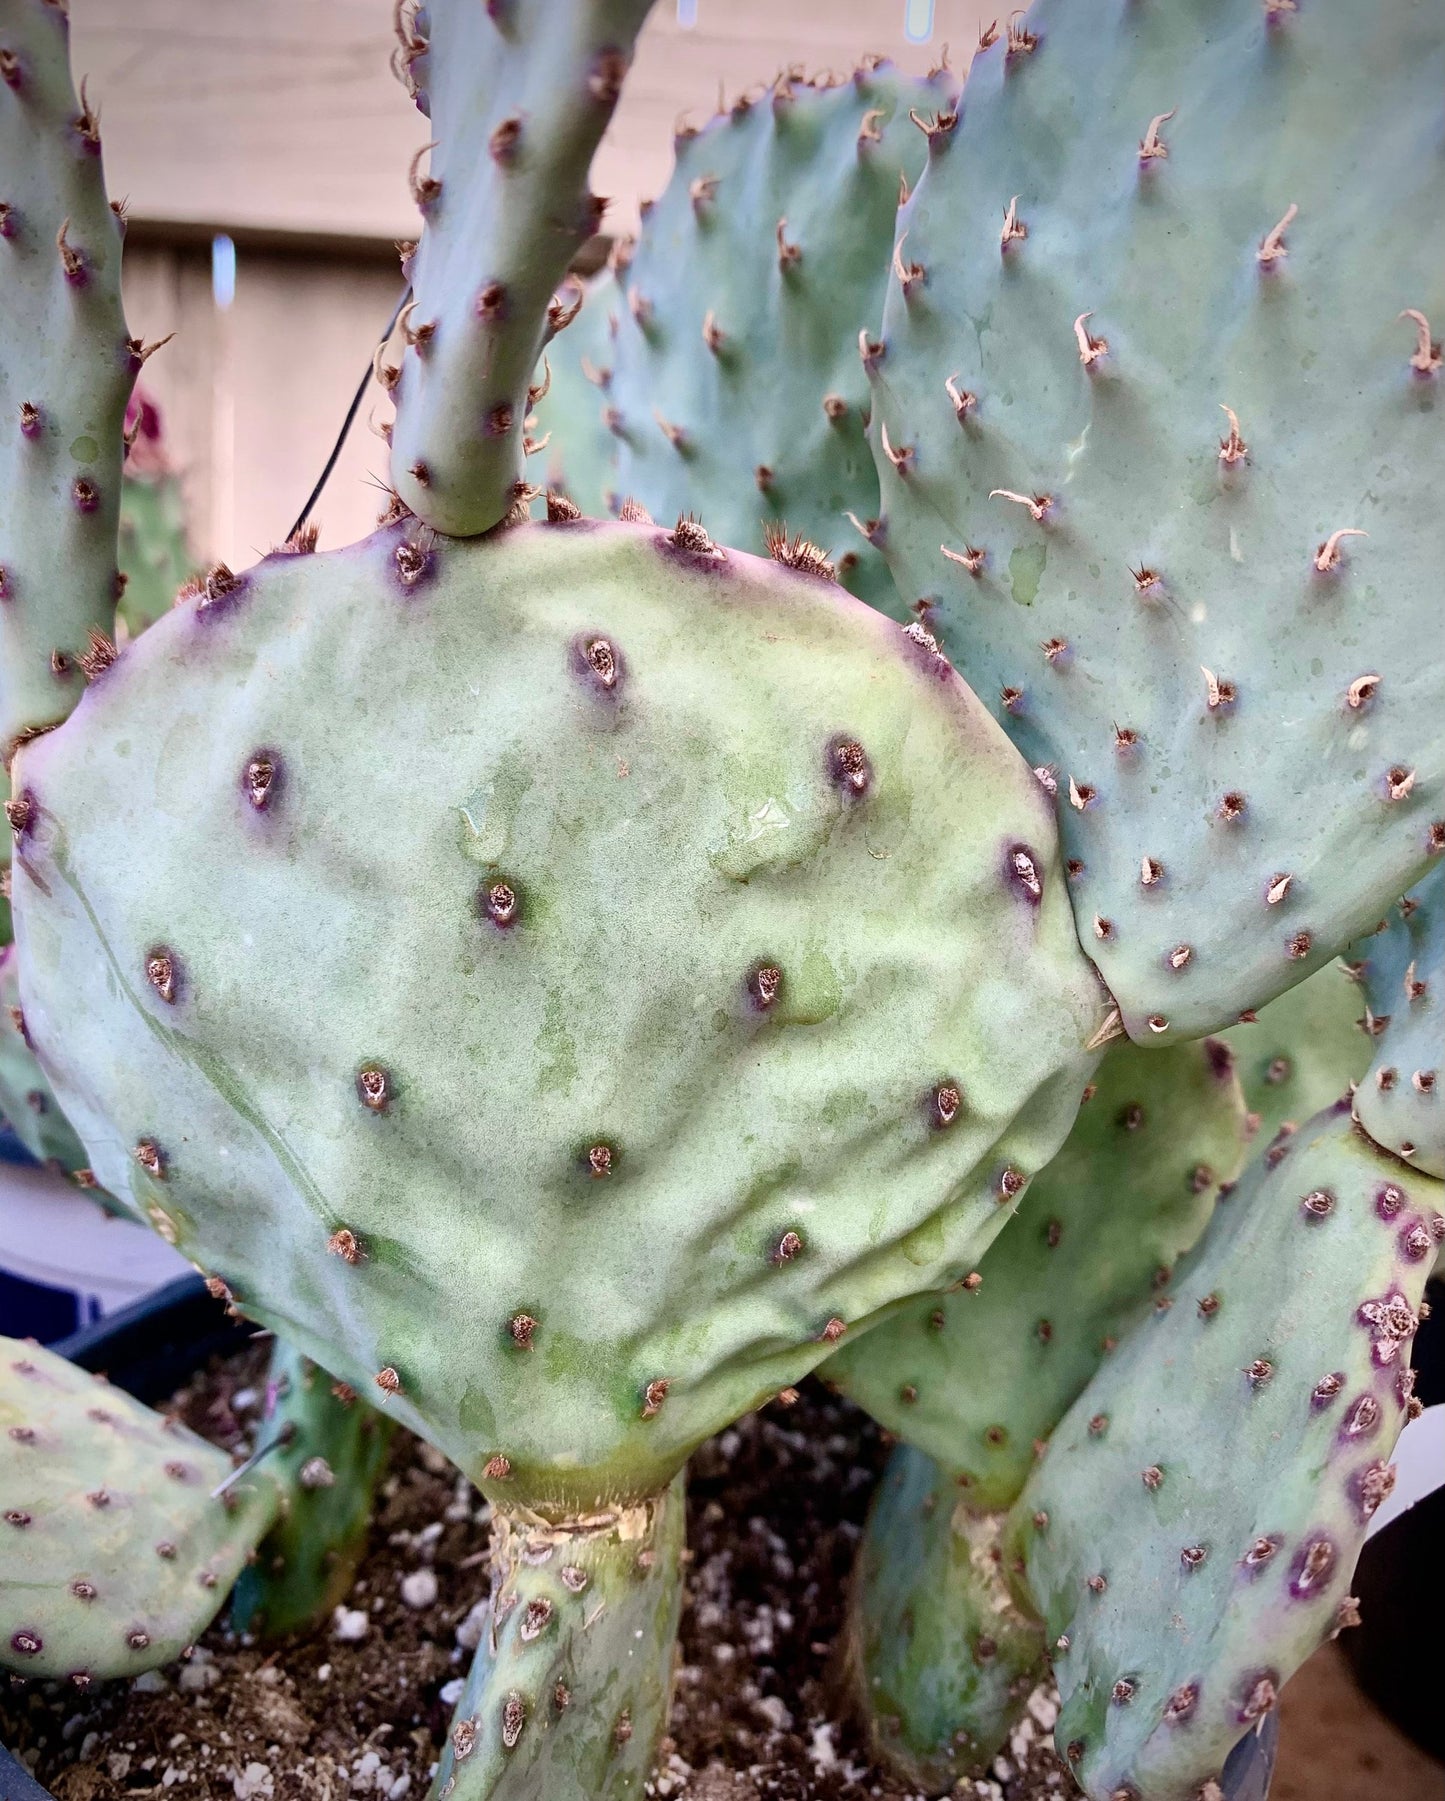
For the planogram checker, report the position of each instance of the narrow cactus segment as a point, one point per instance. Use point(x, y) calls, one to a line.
point(518, 95)
point(981, 1378)
point(941, 1658)
point(114, 1553)
point(27, 1101)
point(573, 449)
point(66, 366)
point(737, 389)
point(1402, 969)
point(567, 1696)
point(332, 1452)
point(978, 1381)
point(155, 558)
point(1190, 1534)
point(577, 1010)
point(1142, 539)
point(1303, 1052)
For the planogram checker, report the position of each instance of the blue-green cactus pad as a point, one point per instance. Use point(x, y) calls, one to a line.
point(1226, 205)
point(601, 970)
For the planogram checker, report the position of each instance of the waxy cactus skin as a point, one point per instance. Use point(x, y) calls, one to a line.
point(1238, 704)
point(1190, 1534)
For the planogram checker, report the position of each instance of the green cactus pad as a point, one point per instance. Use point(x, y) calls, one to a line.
point(576, 450)
point(567, 1696)
point(333, 1453)
point(114, 1553)
point(941, 1658)
point(1190, 1534)
point(66, 366)
point(1240, 708)
point(641, 964)
point(1301, 1053)
point(977, 1382)
point(737, 391)
point(1403, 971)
point(980, 1379)
point(27, 1101)
point(518, 96)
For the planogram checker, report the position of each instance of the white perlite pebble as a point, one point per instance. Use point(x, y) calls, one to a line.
point(253, 1781)
point(451, 1692)
point(1043, 1704)
point(350, 1625)
point(469, 1633)
point(199, 1674)
point(775, 1711)
point(419, 1588)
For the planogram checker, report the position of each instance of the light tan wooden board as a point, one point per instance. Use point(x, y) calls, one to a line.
point(284, 115)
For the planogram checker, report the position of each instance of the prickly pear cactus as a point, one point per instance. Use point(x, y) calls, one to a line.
point(576, 1659)
point(940, 1656)
point(1189, 560)
point(1191, 1531)
point(685, 839)
point(737, 389)
point(1301, 1053)
point(518, 95)
point(155, 559)
point(332, 1449)
point(115, 1554)
point(977, 1382)
point(1402, 969)
point(573, 445)
point(66, 366)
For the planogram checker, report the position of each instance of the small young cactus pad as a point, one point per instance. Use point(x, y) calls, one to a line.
point(518, 96)
point(640, 964)
point(567, 1696)
point(737, 388)
point(1190, 1534)
point(114, 1553)
point(1185, 535)
point(66, 367)
point(572, 444)
point(981, 1377)
point(1301, 1053)
point(1402, 971)
point(332, 1450)
point(941, 1658)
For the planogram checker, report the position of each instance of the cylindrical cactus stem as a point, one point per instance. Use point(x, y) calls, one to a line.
point(64, 378)
point(937, 1650)
point(333, 1451)
point(568, 1694)
point(518, 97)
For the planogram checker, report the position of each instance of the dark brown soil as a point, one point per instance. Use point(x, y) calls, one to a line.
point(775, 1508)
